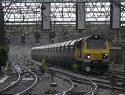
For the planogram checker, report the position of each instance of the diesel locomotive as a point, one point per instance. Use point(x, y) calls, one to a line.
point(89, 54)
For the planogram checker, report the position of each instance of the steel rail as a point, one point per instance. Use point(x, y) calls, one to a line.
point(66, 91)
point(30, 87)
point(12, 85)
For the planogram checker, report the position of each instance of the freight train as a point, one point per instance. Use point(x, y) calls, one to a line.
point(89, 54)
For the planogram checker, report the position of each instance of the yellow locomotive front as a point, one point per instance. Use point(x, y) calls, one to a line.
point(96, 54)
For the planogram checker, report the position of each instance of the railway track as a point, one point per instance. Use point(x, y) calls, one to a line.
point(64, 92)
point(116, 73)
point(26, 78)
point(102, 81)
point(11, 84)
point(113, 80)
point(77, 80)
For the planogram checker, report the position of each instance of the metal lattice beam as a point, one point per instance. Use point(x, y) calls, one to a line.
point(63, 12)
point(56, 1)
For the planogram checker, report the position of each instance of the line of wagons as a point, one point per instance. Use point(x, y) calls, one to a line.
point(59, 52)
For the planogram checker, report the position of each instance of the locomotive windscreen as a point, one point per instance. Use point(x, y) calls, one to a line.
point(95, 44)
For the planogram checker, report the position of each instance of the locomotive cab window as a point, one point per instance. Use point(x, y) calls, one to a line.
point(96, 44)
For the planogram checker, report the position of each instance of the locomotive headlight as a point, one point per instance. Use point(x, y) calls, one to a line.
point(105, 56)
point(88, 56)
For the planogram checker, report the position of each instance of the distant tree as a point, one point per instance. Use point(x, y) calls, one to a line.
point(3, 56)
